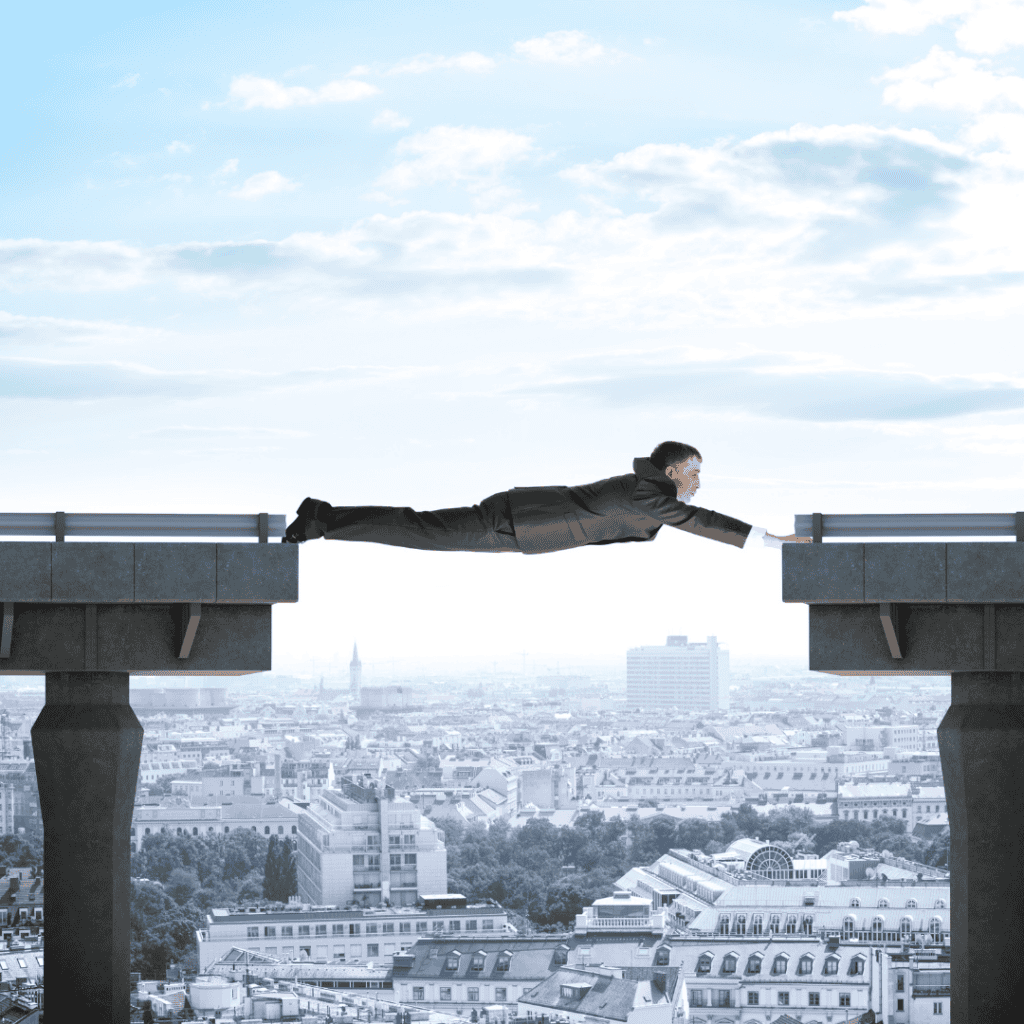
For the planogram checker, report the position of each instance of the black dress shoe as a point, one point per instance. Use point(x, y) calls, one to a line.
point(306, 526)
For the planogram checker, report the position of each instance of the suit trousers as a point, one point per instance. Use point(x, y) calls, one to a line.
point(484, 527)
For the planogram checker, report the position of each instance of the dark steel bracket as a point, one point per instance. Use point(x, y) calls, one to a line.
point(188, 622)
point(894, 624)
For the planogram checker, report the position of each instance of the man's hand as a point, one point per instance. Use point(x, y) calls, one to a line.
point(791, 538)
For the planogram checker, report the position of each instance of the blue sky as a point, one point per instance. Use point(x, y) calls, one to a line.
point(414, 254)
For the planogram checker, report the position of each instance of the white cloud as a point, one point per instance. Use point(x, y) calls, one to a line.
point(128, 82)
point(948, 82)
point(471, 61)
point(390, 119)
point(175, 177)
point(263, 184)
point(226, 168)
point(449, 154)
point(561, 48)
point(803, 225)
point(985, 26)
point(265, 92)
point(179, 147)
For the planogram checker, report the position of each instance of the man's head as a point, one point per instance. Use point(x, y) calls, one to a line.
point(680, 463)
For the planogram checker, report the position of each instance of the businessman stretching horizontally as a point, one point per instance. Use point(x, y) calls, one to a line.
point(534, 520)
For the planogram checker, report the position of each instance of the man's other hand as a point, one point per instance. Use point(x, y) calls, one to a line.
point(792, 538)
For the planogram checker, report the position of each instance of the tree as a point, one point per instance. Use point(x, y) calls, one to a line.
point(147, 1012)
point(182, 885)
point(272, 871)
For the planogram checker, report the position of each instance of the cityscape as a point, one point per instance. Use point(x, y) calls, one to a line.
point(679, 836)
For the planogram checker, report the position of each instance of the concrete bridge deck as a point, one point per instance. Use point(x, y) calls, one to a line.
point(931, 608)
point(87, 615)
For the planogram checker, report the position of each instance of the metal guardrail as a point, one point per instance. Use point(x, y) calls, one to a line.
point(261, 525)
point(818, 525)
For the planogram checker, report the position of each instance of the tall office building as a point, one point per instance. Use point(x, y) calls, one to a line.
point(355, 674)
point(690, 677)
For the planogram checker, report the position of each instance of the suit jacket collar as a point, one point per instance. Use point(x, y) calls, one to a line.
point(646, 470)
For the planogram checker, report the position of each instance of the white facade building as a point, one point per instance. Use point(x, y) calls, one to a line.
point(688, 676)
point(361, 845)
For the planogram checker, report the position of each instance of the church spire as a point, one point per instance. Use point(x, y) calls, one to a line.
point(355, 674)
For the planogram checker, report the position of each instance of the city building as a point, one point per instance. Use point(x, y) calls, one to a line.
point(361, 844)
point(21, 908)
point(866, 801)
point(338, 934)
point(807, 978)
point(687, 676)
point(604, 994)
point(177, 816)
point(463, 975)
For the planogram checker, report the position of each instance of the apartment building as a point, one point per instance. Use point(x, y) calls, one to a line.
point(867, 801)
point(332, 933)
point(688, 676)
point(361, 844)
point(177, 816)
point(21, 907)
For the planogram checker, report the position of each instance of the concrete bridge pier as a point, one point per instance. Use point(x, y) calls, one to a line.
point(87, 744)
point(981, 743)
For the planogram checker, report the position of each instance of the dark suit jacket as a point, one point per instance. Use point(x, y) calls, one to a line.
point(630, 507)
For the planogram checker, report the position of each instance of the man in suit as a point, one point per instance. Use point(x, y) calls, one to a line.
point(534, 520)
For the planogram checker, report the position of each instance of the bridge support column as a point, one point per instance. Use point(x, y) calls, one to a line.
point(981, 743)
point(87, 744)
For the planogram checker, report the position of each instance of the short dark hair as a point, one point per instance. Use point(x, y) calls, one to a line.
point(668, 453)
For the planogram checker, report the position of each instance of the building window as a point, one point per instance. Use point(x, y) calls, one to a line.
point(487, 926)
point(500, 995)
point(899, 1005)
point(756, 925)
point(358, 860)
point(899, 983)
point(729, 965)
point(388, 929)
point(252, 933)
point(844, 998)
point(410, 858)
point(266, 830)
point(353, 929)
point(477, 962)
point(697, 997)
point(321, 929)
point(444, 994)
point(286, 929)
point(722, 997)
point(455, 926)
point(754, 965)
point(471, 926)
point(504, 961)
point(405, 927)
point(371, 929)
point(421, 926)
point(372, 949)
point(831, 966)
point(805, 965)
point(813, 999)
point(752, 998)
point(779, 965)
point(937, 1008)
point(304, 929)
point(783, 999)
point(451, 962)
point(704, 965)
point(472, 995)
point(270, 932)
point(439, 926)
point(337, 929)
point(857, 965)
point(661, 956)
point(417, 993)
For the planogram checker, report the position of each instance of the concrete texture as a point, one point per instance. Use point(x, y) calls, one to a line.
point(90, 573)
point(823, 573)
point(904, 572)
point(962, 572)
point(140, 638)
point(257, 573)
point(981, 743)
point(87, 744)
point(176, 572)
point(976, 572)
point(123, 573)
point(25, 571)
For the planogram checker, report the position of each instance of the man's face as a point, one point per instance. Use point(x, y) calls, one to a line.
point(686, 476)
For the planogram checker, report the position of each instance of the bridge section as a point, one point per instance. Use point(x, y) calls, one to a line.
point(87, 615)
point(931, 608)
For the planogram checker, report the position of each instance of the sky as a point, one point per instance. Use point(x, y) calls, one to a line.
point(417, 253)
